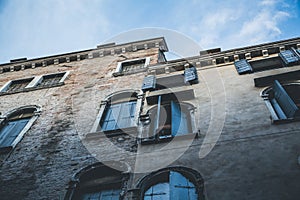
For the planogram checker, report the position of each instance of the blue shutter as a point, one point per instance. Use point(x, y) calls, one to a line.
point(181, 187)
point(288, 57)
point(284, 100)
point(11, 131)
point(126, 118)
point(179, 120)
point(111, 118)
point(190, 75)
point(242, 66)
point(149, 83)
point(160, 191)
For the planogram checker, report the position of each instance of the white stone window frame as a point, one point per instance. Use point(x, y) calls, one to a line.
point(34, 117)
point(5, 87)
point(35, 81)
point(39, 79)
point(119, 68)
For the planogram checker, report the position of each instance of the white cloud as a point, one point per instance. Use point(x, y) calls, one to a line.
point(37, 28)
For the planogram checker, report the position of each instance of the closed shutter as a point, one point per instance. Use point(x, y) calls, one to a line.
point(288, 57)
point(190, 75)
point(242, 66)
point(284, 100)
point(159, 191)
point(126, 118)
point(181, 187)
point(149, 83)
point(11, 131)
point(179, 120)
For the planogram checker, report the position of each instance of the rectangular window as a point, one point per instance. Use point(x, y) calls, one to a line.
point(151, 83)
point(50, 80)
point(132, 66)
point(243, 66)
point(16, 85)
point(290, 57)
point(38, 82)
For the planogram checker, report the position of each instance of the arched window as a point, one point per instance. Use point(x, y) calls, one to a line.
point(97, 182)
point(118, 111)
point(15, 124)
point(283, 101)
point(172, 184)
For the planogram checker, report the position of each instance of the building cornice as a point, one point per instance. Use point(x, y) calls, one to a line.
point(100, 51)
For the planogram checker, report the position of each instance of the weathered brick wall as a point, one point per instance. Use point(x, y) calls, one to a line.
point(252, 159)
point(42, 164)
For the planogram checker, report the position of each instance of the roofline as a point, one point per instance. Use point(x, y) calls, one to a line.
point(105, 46)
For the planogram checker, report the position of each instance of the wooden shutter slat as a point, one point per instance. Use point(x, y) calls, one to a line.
point(242, 66)
point(149, 83)
point(288, 57)
point(284, 100)
point(190, 75)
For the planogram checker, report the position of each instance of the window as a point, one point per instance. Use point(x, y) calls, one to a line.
point(284, 59)
point(283, 101)
point(132, 66)
point(243, 66)
point(97, 182)
point(14, 126)
point(16, 85)
point(110, 194)
point(172, 184)
point(50, 80)
point(168, 119)
point(45, 81)
point(118, 116)
point(290, 57)
point(151, 83)
point(117, 112)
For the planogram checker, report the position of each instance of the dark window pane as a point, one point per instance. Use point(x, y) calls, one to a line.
point(50, 80)
point(18, 85)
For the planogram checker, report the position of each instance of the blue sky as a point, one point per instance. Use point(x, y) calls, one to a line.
point(36, 28)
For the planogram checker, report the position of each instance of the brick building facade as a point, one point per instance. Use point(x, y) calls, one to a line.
point(122, 122)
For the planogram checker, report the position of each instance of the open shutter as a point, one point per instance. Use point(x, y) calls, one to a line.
point(11, 131)
point(288, 57)
point(111, 118)
point(179, 120)
point(190, 75)
point(242, 66)
point(284, 100)
point(149, 83)
point(181, 187)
